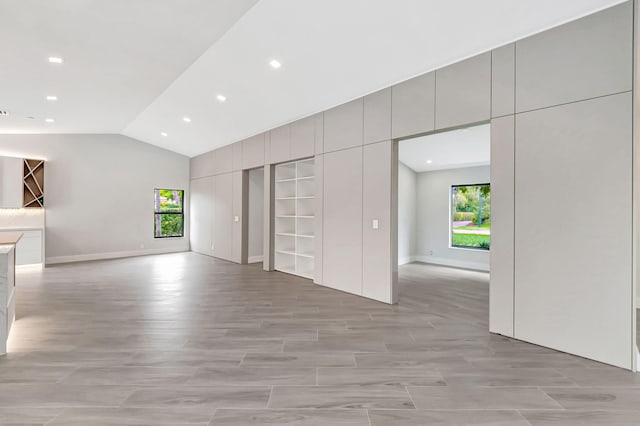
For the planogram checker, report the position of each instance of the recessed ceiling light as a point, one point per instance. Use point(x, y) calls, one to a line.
point(49, 120)
point(221, 98)
point(55, 60)
point(52, 98)
point(186, 119)
point(275, 64)
point(164, 134)
point(429, 161)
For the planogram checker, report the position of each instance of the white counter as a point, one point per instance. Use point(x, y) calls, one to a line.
point(8, 243)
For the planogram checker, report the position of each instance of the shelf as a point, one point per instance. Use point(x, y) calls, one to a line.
point(291, 253)
point(294, 196)
point(294, 179)
point(33, 183)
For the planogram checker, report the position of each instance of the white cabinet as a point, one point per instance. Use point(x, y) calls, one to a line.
point(30, 249)
point(295, 215)
point(11, 182)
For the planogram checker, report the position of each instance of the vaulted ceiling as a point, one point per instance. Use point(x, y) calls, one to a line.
point(139, 67)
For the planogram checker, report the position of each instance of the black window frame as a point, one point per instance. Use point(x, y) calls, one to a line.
point(159, 213)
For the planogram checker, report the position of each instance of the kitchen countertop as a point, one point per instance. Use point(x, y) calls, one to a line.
point(10, 237)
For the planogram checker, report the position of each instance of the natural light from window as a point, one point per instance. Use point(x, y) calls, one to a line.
point(471, 216)
point(169, 213)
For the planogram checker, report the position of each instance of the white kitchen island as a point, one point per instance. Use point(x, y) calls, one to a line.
point(8, 243)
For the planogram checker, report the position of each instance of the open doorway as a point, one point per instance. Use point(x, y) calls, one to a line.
point(444, 218)
point(256, 215)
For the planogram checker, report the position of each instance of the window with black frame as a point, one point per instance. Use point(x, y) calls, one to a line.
point(169, 213)
point(471, 216)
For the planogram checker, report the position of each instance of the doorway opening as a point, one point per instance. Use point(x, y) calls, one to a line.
point(256, 216)
point(444, 218)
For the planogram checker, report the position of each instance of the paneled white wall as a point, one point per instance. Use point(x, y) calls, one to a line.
point(342, 220)
point(572, 228)
point(532, 78)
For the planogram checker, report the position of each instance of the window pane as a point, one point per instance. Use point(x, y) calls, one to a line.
point(169, 225)
point(471, 216)
point(169, 200)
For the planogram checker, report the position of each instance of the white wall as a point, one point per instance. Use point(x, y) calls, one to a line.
point(433, 191)
point(99, 193)
point(407, 210)
point(256, 214)
point(11, 180)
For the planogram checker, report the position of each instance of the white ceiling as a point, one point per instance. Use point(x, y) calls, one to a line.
point(129, 64)
point(447, 150)
point(119, 55)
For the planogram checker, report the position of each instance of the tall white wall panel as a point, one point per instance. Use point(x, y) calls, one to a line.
point(223, 217)
point(201, 207)
point(378, 262)
point(501, 287)
point(342, 214)
point(573, 259)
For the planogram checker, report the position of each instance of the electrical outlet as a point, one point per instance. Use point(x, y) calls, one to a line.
point(141, 246)
point(375, 224)
point(236, 219)
point(430, 252)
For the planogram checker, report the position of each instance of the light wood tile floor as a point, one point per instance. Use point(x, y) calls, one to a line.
point(184, 339)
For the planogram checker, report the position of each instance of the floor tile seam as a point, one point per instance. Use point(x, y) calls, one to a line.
point(242, 360)
point(269, 398)
point(369, 418)
point(212, 416)
point(406, 389)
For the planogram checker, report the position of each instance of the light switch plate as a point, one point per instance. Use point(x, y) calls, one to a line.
point(375, 224)
point(236, 219)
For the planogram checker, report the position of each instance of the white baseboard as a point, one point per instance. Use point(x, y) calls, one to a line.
point(111, 255)
point(405, 260)
point(254, 259)
point(452, 262)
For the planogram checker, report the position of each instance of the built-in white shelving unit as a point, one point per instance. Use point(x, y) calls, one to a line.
point(294, 211)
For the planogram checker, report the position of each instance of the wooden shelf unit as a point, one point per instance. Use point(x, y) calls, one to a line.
point(33, 183)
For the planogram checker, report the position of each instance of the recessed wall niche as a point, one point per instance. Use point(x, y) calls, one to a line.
point(33, 183)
